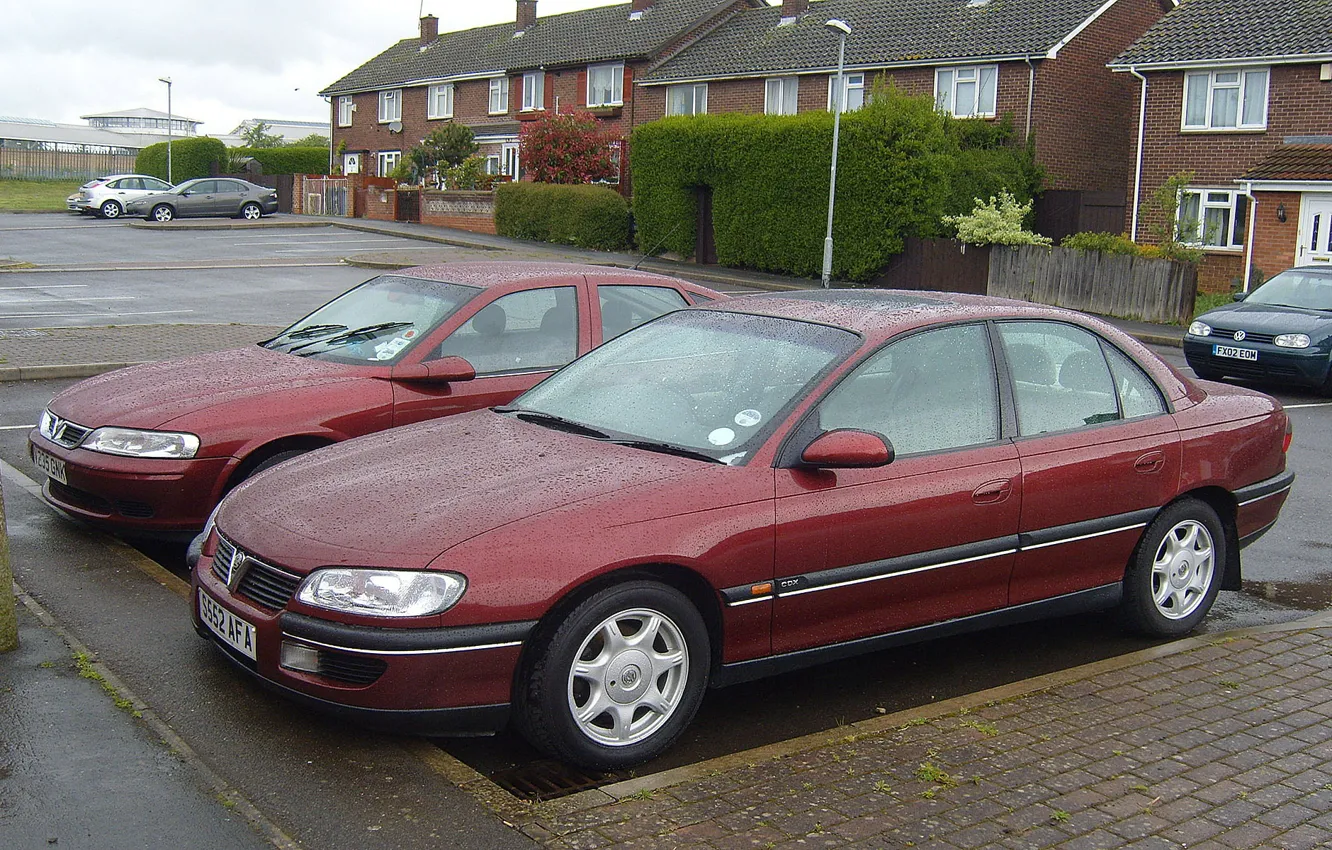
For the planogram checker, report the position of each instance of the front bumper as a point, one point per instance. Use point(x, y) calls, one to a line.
point(451, 680)
point(1301, 366)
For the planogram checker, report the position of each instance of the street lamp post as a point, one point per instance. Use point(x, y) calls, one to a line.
point(843, 29)
point(167, 80)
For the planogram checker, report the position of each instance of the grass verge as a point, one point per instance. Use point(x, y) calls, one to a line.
point(35, 194)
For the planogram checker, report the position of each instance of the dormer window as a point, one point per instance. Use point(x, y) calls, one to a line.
point(605, 84)
point(1225, 99)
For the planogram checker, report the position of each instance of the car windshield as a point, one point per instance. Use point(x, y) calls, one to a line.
point(377, 322)
point(705, 382)
point(1310, 290)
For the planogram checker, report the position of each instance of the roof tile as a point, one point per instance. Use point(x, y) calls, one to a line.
point(1201, 30)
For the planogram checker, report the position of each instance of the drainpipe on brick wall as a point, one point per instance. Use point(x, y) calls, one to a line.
point(1031, 94)
point(1137, 171)
point(1248, 248)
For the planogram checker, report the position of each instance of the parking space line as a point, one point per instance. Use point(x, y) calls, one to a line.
point(17, 427)
point(62, 227)
point(5, 302)
point(1310, 404)
point(92, 315)
point(47, 286)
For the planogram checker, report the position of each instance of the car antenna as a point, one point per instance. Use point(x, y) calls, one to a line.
point(661, 242)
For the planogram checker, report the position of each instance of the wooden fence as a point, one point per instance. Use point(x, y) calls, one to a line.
point(1105, 284)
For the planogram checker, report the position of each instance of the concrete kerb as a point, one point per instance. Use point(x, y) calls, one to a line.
point(222, 225)
point(70, 370)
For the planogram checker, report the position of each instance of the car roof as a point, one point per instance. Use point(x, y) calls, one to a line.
point(496, 274)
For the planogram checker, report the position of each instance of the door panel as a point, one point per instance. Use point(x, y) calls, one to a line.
point(1315, 245)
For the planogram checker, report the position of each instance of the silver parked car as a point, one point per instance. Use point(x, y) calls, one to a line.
point(109, 196)
point(223, 196)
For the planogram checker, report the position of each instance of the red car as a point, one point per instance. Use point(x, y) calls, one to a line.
point(151, 450)
point(737, 490)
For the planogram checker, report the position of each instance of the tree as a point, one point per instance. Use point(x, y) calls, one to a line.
point(566, 148)
point(258, 136)
point(314, 140)
point(446, 147)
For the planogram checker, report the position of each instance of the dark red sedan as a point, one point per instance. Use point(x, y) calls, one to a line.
point(733, 491)
point(151, 449)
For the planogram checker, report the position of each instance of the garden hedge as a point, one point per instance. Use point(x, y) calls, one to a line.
point(288, 160)
point(195, 156)
point(901, 166)
point(594, 217)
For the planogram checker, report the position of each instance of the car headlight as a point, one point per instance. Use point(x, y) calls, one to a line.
point(1200, 329)
point(382, 593)
point(132, 442)
point(1292, 340)
point(47, 425)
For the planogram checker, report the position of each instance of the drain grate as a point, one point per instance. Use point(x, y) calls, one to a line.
point(549, 780)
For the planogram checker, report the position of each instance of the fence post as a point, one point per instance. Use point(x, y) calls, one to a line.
point(8, 616)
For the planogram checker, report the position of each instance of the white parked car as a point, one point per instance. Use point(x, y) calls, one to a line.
point(108, 196)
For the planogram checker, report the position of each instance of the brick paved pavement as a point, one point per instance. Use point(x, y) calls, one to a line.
point(82, 351)
point(1227, 744)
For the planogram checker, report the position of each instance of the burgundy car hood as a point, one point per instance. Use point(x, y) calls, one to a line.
point(403, 496)
point(155, 394)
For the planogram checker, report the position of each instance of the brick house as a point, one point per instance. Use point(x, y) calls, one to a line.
point(1239, 94)
point(1044, 63)
point(493, 78)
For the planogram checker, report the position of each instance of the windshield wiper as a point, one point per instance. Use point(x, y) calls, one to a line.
point(668, 449)
point(558, 423)
point(311, 330)
point(348, 336)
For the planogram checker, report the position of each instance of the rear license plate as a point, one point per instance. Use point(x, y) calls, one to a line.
point(52, 466)
point(237, 633)
point(1236, 353)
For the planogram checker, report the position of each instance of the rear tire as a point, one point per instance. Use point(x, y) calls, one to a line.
point(1176, 570)
point(112, 209)
point(163, 213)
point(251, 212)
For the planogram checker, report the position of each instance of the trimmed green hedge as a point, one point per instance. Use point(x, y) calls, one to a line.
point(587, 216)
point(196, 156)
point(287, 160)
point(901, 166)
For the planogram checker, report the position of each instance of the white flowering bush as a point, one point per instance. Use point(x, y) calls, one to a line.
point(997, 221)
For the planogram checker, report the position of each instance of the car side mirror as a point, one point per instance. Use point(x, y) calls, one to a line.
point(1240, 296)
point(187, 193)
point(446, 370)
point(847, 448)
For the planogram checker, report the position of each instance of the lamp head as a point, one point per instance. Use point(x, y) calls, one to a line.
point(839, 26)
point(166, 80)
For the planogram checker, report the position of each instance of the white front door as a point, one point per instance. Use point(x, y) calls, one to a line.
point(1315, 246)
point(509, 159)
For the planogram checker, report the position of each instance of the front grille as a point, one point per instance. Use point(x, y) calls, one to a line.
point(352, 669)
point(62, 431)
point(134, 510)
point(1249, 336)
point(76, 498)
point(261, 582)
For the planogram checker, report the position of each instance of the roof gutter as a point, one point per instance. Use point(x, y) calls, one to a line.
point(850, 69)
point(1137, 168)
point(1234, 62)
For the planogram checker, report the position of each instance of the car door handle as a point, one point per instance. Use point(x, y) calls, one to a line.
point(992, 492)
point(1149, 463)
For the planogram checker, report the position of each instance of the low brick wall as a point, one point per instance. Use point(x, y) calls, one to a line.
point(463, 210)
point(381, 203)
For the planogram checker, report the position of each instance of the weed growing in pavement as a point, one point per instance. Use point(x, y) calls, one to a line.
point(930, 772)
point(1229, 684)
point(87, 671)
point(640, 794)
point(46, 665)
point(915, 721)
point(1060, 816)
point(883, 787)
point(983, 728)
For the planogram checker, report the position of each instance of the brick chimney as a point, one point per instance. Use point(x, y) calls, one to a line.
point(792, 9)
point(429, 29)
point(526, 15)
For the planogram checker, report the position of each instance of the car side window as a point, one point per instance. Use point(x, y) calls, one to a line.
point(204, 187)
point(155, 184)
point(926, 393)
point(1138, 394)
point(626, 307)
point(519, 332)
point(1060, 377)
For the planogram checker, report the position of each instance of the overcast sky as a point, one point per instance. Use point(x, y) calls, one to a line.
point(228, 61)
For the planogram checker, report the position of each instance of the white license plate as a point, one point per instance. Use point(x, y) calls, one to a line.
point(51, 465)
point(238, 634)
point(1236, 353)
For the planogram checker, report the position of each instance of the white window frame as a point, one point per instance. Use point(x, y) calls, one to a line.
point(534, 91)
point(698, 99)
point(777, 105)
point(854, 89)
point(947, 80)
point(346, 106)
point(499, 95)
point(390, 105)
point(1243, 81)
point(439, 101)
point(1192, 232)
point(493, 164)
point(386, 161)
point(616, 71)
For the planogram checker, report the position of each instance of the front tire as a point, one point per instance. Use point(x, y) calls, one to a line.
point(1176, 570)
point(112, 209)
point(163, 213)
point(619, 679)
point(251, 212)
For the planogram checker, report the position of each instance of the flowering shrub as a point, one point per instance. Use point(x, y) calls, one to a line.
point(567, 147)
point(997, 221)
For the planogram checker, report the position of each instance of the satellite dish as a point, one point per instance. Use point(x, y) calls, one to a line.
point(395, 126)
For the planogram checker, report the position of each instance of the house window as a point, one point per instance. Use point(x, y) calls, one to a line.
point(1230, 99)
point(534, 90)
point(966, 92)
point(388, 160)
point(605, 84)
point(779, 95)
point(345, 111)
point(1213, 218)
point(390, 106)
point(499, 95)
point(855, 92)
point(439, 101)
point(691, 99)
point(493, 164)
